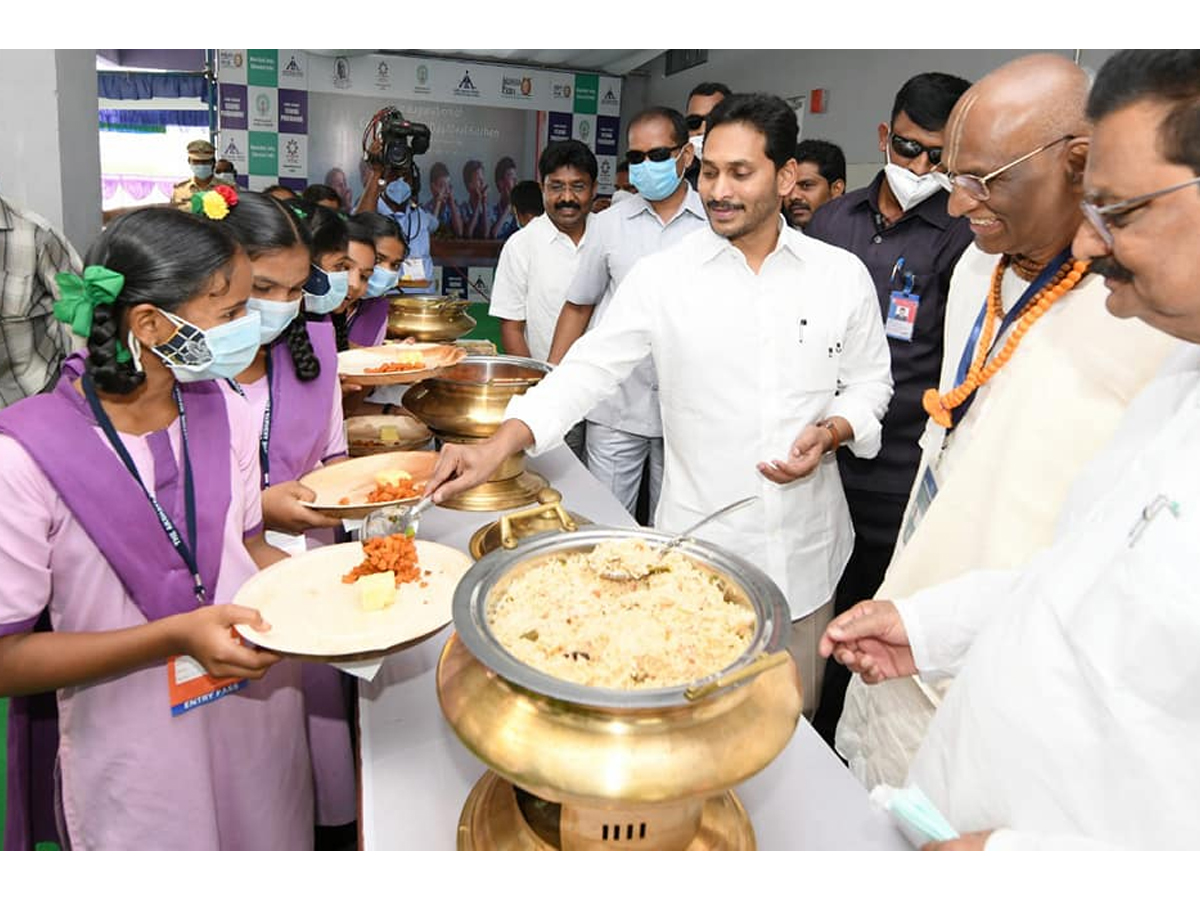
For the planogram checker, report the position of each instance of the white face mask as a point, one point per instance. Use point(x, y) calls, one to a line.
point(909, 187)
point(697, 142)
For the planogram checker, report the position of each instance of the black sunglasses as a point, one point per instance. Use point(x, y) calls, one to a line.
point(694, 122)
point(658, 154)
point(910, 149)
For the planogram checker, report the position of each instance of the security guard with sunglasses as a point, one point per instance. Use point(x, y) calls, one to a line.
point(899, 227)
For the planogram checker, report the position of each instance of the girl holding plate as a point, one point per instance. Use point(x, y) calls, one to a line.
point(132, 515)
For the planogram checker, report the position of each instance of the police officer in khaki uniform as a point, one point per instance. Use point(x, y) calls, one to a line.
point(201, 156)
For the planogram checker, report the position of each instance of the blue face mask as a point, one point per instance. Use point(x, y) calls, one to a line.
point(325, 291)
point(202, 172)
point(655, 180)
point(273, 317)
point(398, 191)
point(194, 354)
point(381, 281)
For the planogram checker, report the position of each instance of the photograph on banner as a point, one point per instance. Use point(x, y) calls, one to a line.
point(476, 155)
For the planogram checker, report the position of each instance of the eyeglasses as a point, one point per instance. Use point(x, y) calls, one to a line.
point(658, 154)
point(976, 186)
point(694, 122)
point(910, 149)
point(1104, 218)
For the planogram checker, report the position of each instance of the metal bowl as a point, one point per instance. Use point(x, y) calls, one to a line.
point(428, 317)
point(600, 748)
point(468, 400)
point(744, 582)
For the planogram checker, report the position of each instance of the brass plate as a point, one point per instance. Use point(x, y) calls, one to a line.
point(491, 820)
point(492, 495)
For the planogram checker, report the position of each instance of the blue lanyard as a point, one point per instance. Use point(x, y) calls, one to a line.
point(968, 356)
point(264, 436)
point(189, 491)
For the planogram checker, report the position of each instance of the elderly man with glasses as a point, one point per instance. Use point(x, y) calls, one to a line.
point(1072, 721)
point(1035, 376)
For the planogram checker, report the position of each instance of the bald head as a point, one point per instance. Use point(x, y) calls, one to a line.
point(1023, 104)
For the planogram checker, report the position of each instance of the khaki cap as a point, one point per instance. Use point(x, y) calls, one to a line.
point(202, 150)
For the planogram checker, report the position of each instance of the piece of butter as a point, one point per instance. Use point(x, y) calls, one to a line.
point(389, 433)
point(377, 591)
point(391, 476)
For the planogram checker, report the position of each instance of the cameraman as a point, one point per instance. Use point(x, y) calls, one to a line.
point(389, 193)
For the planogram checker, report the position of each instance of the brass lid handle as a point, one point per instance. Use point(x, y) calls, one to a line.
point(565, 522)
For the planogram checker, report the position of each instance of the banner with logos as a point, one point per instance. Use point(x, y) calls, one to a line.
point(291, 117)
point(262, 98)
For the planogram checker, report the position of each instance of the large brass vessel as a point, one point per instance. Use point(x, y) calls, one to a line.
point(428, 317)
point(577, 767)
point(465, 404)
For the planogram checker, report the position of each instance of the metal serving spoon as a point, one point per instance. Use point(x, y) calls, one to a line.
point(382, 522)
point(626, 575)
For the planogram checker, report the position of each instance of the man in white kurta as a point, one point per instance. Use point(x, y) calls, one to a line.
point(1072, 720)
point(1074, 712)
point(1002, 476)
point(755, 339)
point(987, 494)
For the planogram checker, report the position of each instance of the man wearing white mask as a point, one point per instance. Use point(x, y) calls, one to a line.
point(900, 228)
point(702, 99)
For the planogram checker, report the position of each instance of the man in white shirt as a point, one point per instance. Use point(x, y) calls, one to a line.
point(625, 431)
point(1072, 721)
point(538, 261)
point(770, 353)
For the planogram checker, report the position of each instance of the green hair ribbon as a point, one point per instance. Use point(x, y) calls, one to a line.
point(79, 298)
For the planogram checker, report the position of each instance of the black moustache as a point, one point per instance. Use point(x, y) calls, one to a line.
point(716, 204)
point(566, 205)
point(1107, 267)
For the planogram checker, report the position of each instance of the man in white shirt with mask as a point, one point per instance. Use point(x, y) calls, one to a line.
point(770, 353)
point(624, 433)
point(1072, 721)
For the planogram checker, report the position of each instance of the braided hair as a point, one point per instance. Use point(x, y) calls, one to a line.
point(167, 257)
point(262, 225)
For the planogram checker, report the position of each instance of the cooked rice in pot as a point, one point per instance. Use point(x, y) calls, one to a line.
point(670, 628)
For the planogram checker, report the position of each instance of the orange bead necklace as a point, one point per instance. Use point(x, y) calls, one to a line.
point(939, 405)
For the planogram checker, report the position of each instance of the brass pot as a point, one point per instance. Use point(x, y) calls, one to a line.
point(653, 755)
point(428, 317)
point(467, 401)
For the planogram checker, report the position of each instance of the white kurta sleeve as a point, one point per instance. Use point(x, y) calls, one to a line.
point(510, 290)
point(594, 367)
point(864, 372)
point(942, 621)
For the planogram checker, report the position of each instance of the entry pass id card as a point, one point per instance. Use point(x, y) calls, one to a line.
point(189, 686)
point(902, 315)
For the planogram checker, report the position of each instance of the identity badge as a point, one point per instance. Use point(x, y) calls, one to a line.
point(189, 686)
point(902, 315)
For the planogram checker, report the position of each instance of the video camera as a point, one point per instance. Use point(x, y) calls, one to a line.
point(401, 140)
